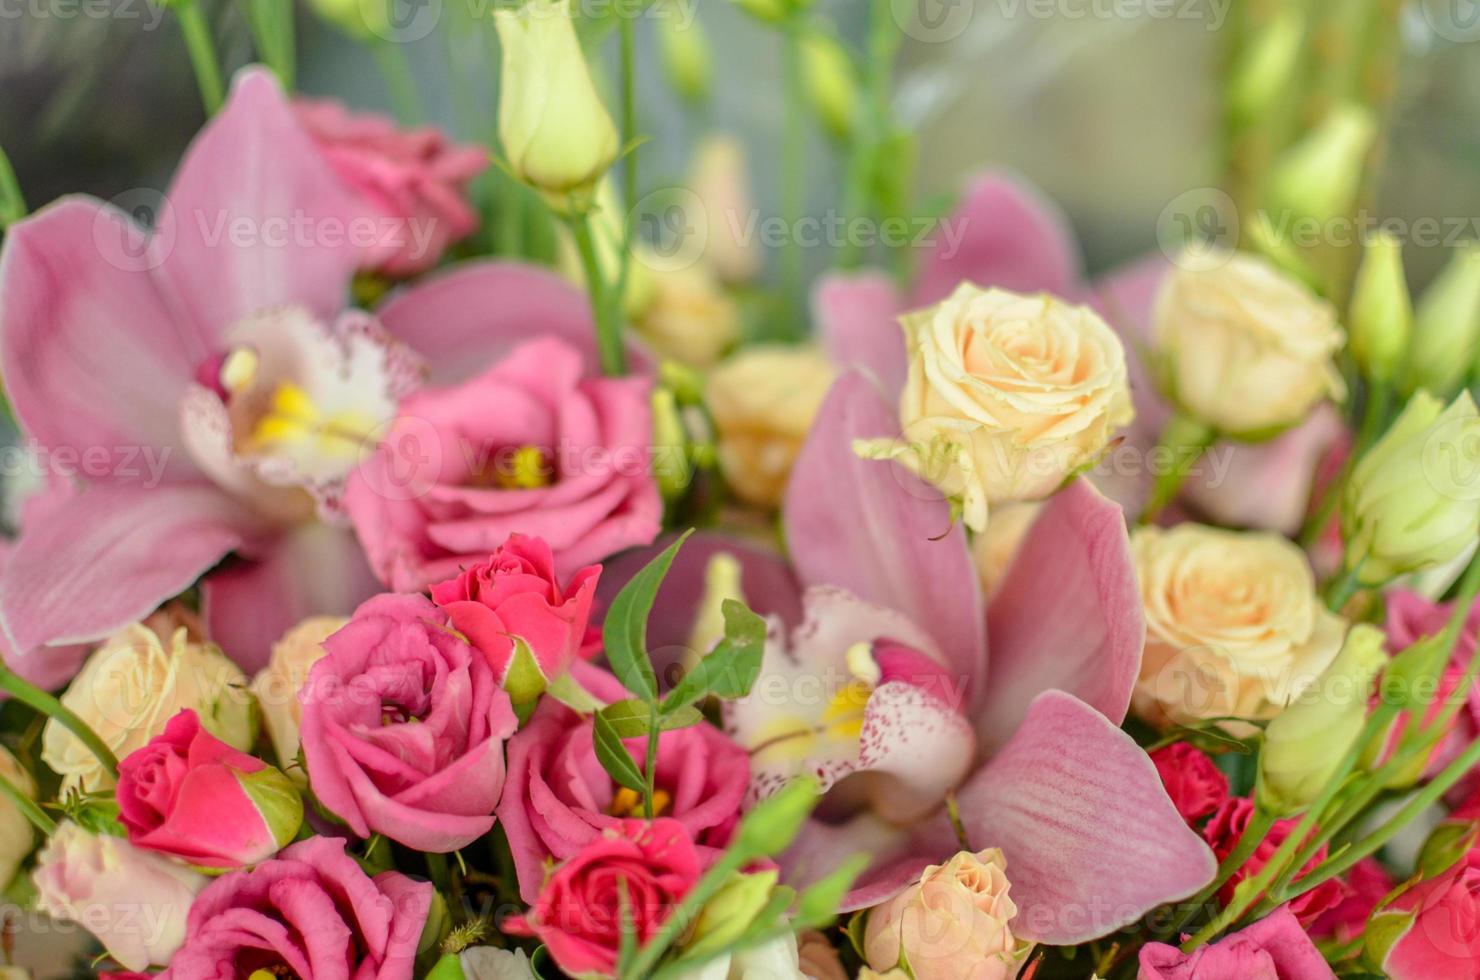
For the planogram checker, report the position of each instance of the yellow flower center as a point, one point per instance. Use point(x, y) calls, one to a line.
point(293, 420)
point(628, 803)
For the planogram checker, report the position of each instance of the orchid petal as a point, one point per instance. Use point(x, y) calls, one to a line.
point(1091, 839)
point(1067, 615)
point(857, 320)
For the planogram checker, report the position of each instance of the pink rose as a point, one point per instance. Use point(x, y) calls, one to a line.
point(1196, 786)
point(1223, 831)
point(1410, 617)
point(578, 913)
point(309, 913)
point(531, 445)
point(1274, 948)
point(1367, 884)
point(514, 596)
point(190, 795)
point(404, 727)
point(1432, 929)
point(415, 179)
point(559, 798)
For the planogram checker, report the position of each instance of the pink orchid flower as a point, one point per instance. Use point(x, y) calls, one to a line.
point(1013, 237)
point(209, 381)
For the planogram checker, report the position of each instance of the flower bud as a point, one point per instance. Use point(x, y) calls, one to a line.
point(726, 916)
point(670, 446)
point(555, 130)
point(1447, 327)
point(685, 49)
point(1305, 743)
point(832, 83)
point(1320, 176)
point(1263, 70)
point(772, 824)
point(1381, 312)
point(1410, 503)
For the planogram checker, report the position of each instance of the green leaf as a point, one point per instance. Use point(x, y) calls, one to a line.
point(615, 758)
point(773, 823)
point(633, 718)
point(818, 905)
point(730, 670)
point(625, 631)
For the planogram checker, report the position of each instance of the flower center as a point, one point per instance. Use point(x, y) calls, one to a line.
point(628, 803)
point(291, 422)
point(522, 468)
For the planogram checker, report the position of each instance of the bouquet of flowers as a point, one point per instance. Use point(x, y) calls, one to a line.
point(430, 574)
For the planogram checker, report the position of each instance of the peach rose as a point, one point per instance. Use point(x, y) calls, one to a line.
point(277, 685)
point(689, 317)
point(1007, 396)
point(1244, 347)
point(954, 923)
point(1233, 624)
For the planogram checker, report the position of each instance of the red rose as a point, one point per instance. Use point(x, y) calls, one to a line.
point(1196, 786)
point(578, 914)
point(1223, 832)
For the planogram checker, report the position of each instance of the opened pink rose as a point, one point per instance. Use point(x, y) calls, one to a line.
point(514, 601)
point(532, 445)
point(190, 795)
point(404, 727)
point(1433, 928)
point(578, 915)
point(311, 913)
point(559, 798)
point(416, 179)
point(1274, 947)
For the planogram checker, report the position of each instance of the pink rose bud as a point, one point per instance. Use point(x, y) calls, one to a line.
point(1275, 946)
point(512, 609)
point(1196, 786)
point(578, 913)
point(190, 795)
point(1432, 930)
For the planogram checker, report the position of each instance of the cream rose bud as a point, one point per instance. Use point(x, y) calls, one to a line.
point(956, 921)
point(16, 836)
point(1234, 627)
point(129, 689)
point(133, 901)
point(1007, 396)
point(276, 686)
point(1244, 347)
point(763, 401)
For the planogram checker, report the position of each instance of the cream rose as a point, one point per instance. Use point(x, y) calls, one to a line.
point(129, 689)
point(1243, 347)
point(689, 318)
point(954, 922)
point(276, 686)
point(16, 837)
point(1007, 396)
point(1234, 627)
point(763, 401)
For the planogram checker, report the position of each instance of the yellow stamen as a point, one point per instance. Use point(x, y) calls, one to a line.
point(528, 472)
point(628, 803)
point(239, 369)
point(293, 417)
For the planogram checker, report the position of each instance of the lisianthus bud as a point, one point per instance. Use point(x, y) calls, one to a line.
point(555, 130)
point(726, 916)
point(1381, 311)
point(955, 921)
point(832, 82)
point(1264, 67)
point(1305, 743)
point(685, 48)
point(1321, 175)
point(1411, 502)
point(670, 446)
point(1447, 327)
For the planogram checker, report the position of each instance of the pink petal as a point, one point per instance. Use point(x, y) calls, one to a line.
point(46, 667)
point(463, 320)
point(95, 359)
point(1091, 839)
point(260, 219)
point(1067, 615)
point(875, 530)
point(857, 322)
point(110, 555)
point(313, 570)
point(1012, 237)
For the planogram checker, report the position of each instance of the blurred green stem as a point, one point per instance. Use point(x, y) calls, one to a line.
point(400, 83)
point(12, 204)
point(202, 52)
point(28, 807)
point(793, 179)
point(31, 695)
point(627, 31)
point(1184, 439)
point(603, 311)
point(271, 23)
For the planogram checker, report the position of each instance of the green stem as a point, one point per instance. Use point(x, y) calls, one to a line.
point(12, 203)
point(1341, 589)
point(883, 48)
point(1185, 439)
point(202, 54)
point(271, 24)
point(793, 179)
point(29, 694)
point(608, 327)
point(28, 807)
point(650, 769)
point(1261, 822)
point(400, 83)
point(628, 43)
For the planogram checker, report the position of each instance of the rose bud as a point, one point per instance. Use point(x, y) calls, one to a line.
point(512, 609)
point(190, 795)
point(111, 887)
point(558, 136)
point(1412, 502)
point(955, 921)
point(1428, 932)
point(1195, 785)
point(1306, 742)
point(1243, 347)
point(1007, 396)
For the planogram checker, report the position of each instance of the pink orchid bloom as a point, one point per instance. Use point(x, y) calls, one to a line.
point(218, 347)
point(1015, 238)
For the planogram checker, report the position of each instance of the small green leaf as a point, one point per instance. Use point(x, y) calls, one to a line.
point(625, 630)
point(615, 758)
point(731, 669)
point(818, 905)
point(633, 718)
